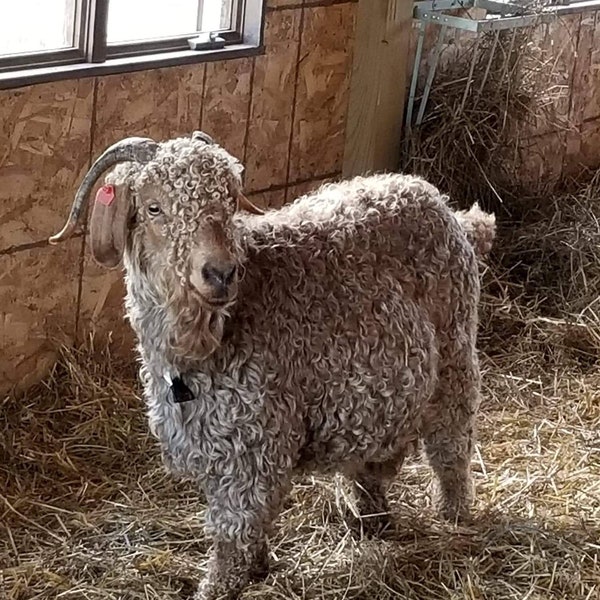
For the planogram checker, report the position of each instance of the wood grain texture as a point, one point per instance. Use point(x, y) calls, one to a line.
point(272, 102)
point(268, 199)
point(542, 158)
point(44, 152)
point(160, 103)
point(226, 103)
point(282, 3)
point(580, 91)
point(378, 86)
point(299, 189)
point(556, 46)
point(589, 152)
point(322, 94)
point(589, 85)
point(38, 308)
point(102, 311)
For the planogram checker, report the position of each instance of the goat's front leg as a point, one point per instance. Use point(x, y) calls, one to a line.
point(232, 567)
point(239, 518)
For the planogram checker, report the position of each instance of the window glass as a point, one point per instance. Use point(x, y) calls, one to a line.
point(36, 25)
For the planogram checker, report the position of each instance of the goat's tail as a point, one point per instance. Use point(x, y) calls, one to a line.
point(480, 228)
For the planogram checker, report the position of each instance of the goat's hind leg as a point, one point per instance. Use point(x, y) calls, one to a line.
point(449, 432)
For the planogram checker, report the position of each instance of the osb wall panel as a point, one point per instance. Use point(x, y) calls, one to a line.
point(226, 102)
point(322, 94)
point(542, 157)
point(589, 87)
point(557, 51)
point(590, 144)
point(44, 151)
point(38, 309)
point(283, 3)
point(569, 142)
point(299, 189)
point(102, 310)
point(268, 199)
point(159, 104)
point(272, 108)
point(49, 133)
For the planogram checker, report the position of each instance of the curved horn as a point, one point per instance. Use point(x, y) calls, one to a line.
point(133, 149)
point(204, 137)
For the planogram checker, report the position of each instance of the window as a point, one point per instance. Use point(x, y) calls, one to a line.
point(41, 40)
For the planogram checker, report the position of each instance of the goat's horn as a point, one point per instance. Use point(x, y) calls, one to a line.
point(133, 149)
point(204, 137)
point(245, 204)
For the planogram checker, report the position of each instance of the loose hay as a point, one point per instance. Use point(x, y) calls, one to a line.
point(88, 512)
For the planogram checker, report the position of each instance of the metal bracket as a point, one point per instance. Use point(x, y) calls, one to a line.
point(207, 41)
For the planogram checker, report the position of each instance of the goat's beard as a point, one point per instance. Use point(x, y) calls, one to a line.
point(196, 331)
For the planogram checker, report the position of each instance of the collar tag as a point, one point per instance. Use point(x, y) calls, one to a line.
point(181, 392)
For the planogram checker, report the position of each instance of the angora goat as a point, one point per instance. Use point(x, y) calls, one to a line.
point(328, 335)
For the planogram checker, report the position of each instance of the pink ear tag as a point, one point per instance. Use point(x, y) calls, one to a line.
point(105, 195)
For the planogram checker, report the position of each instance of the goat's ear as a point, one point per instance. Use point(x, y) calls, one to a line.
point(109, 224)
point(244, 204)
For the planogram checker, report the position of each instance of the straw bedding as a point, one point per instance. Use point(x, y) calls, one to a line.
point(87, 511)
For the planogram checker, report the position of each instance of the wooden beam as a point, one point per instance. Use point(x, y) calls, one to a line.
point(378, 86)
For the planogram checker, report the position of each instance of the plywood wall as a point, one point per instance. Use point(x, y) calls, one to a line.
point(283, 113)
point(565, 139)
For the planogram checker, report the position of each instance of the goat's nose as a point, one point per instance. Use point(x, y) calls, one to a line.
point(219, 275)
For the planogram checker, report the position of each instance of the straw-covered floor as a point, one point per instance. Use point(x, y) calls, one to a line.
point(87, 512)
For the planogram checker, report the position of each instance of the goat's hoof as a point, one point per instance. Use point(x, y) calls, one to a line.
point(259, 572)
point(206, 591)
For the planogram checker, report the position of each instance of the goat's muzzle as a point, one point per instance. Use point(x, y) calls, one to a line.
point(216, 282)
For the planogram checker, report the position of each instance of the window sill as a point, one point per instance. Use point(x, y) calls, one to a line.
point(15, 79)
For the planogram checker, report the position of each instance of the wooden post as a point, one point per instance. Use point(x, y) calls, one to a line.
point(378, 86)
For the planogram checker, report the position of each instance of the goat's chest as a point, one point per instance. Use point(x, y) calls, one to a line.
point(227, 418)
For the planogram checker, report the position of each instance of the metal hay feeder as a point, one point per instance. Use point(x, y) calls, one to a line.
point(499, 16)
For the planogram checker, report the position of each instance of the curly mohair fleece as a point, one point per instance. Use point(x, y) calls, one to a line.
point(353, 335)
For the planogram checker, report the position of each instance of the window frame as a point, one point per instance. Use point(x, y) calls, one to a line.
point(57, 56)
point(93, 56)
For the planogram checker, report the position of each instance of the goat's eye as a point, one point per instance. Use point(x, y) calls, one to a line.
point(154, 210)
